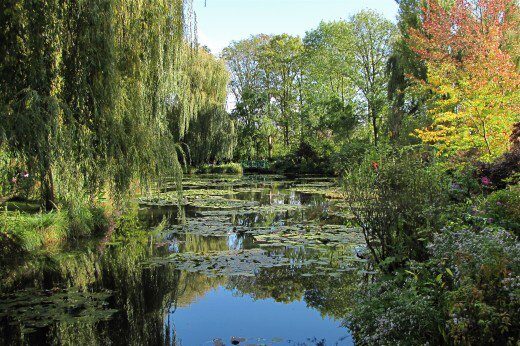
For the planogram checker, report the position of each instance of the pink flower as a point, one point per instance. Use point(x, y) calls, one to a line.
point(486, 181)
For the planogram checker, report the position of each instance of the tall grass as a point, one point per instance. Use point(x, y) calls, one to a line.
point(31, 231)
point(24, 232)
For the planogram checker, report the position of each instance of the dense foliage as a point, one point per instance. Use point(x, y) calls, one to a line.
point(473, 79)
point(98, 95)
point(211, 134)
point(396, 199)
point(421, 120)
point(441, 221)
point(324, 92)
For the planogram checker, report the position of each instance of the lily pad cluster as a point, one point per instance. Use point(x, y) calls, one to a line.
point(218, 263)
point(311, 236)
point(202, 226)
point(258, 209)
point(329, 192)
point(221, 203)
point(251, 262)
point(33, 308)
point(281, 230)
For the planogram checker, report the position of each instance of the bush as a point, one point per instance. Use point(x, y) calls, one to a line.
point(467, 293)
point(482, 298)
point(85, 221)
point(393, 312)
point(349, 154)
point(304, 160)
point(24, 232)
point(506, 169)
point(15, 181)
point(226, 168)
point(292, 165)
point(503, 207)
point(396, 199)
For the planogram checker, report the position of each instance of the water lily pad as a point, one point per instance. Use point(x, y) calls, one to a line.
point(218, 263)
point(34, 308)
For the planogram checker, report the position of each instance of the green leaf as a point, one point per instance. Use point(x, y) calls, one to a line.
point(412, 273)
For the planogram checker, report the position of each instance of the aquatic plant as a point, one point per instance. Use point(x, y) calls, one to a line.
point(36, 309)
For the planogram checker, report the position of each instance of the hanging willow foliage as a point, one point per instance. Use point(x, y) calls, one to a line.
point(212, 137)
point(210, 134)
point(204, 82)
point(95, 94)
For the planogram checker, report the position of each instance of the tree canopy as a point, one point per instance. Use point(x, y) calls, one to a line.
point(96, 94)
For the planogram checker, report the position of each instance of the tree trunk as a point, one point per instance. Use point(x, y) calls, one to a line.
point(270, 146)
point(373, 115)
point(48, 195)
point(286, 135)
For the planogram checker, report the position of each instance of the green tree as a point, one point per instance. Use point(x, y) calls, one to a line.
point(407, 106)
point(252, 107)
point(210, 133)
point(329, 115)
point(280, 61)
point(373, 38)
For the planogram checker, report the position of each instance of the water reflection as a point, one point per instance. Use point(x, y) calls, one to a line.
point(224, 313)
point(295, 304)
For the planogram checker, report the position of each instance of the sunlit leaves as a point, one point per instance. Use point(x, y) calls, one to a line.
point(473, 79)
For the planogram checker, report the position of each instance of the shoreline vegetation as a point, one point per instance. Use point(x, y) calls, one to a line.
point(22, 232)
point(419, 121)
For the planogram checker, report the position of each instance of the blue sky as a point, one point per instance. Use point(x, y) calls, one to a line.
point(223, 21)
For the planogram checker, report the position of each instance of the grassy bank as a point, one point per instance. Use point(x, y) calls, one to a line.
point(24, 232)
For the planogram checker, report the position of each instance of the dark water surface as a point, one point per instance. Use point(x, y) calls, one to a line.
point(255, 260)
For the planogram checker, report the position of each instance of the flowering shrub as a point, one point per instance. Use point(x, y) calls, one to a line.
point(396, 312)
point(467, 293)
point(483, 296)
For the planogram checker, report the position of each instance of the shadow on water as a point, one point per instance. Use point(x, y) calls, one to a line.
point(256, 261)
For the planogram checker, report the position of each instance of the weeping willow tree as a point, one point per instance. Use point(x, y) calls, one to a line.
point(212, 137)
point(211, 133)
point(95, 94)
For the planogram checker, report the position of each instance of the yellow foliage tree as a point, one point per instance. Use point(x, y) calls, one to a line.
point(473, 80)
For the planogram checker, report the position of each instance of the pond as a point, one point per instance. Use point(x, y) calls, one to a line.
point(251, 260)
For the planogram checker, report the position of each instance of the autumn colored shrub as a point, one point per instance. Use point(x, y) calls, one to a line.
point(472, 78)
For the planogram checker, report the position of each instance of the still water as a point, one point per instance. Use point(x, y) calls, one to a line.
point(253, 260)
